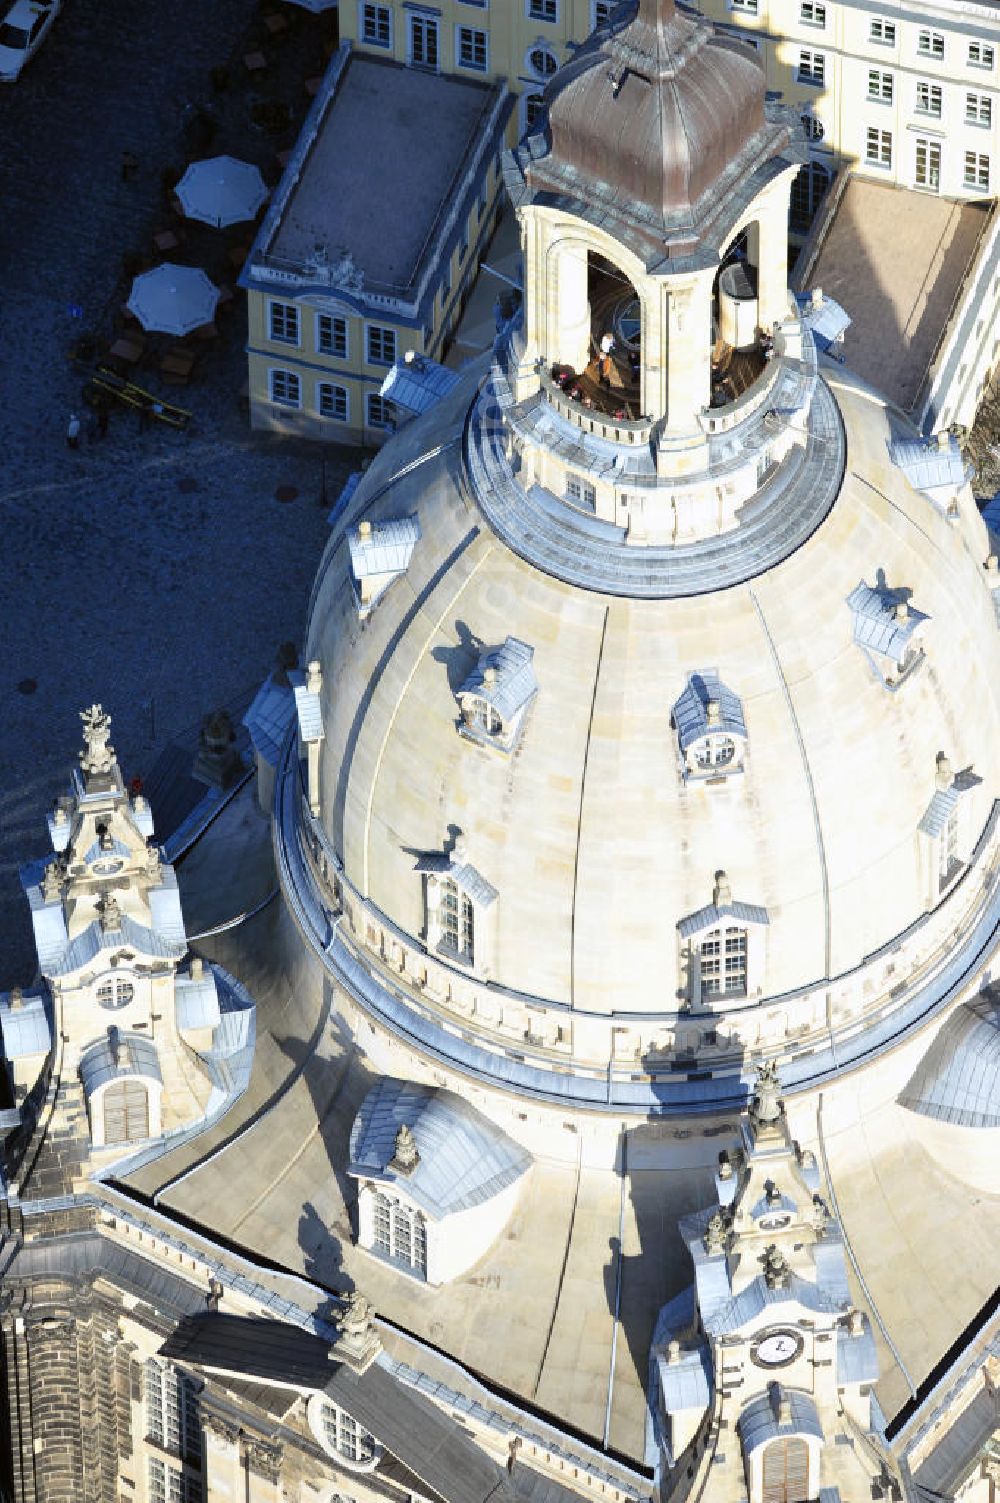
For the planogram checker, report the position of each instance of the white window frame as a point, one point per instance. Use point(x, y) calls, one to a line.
point(169, 1484)
point(532, 106)
point(388, 419)
point(978, 109)
point(813, 13)
point(381, 336)
point(930, 43)
point(279, 375)
point(929, 99)
point(170, 1404)
point(543, 49)
point(723, 958)
point(428, 30)
point(811, 68)
point(333, 417)
point(398, 1231)
point(341, 1435)
point(581, 491)
point(280, 313)
point(976, 171)
point(338, 326)
point(882, 32)
point(744, 7)
point(881, 86)
point(115, 992)
point(458, 923)
point(878, 147)
point(981, 55)
point(932, 176)
point(473, 35)
point(380, 12)
point(542, 10)
point(601, 12)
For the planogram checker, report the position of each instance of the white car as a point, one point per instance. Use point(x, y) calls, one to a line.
point(21, 33)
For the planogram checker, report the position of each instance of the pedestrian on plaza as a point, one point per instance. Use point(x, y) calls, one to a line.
point(73, 431)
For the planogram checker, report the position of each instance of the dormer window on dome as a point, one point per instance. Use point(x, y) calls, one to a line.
point(711, 731)
point(723, 950)
point(497, 694)
point(380, 553)
point(933, 465)
point(888, 629)
point(459, 907)
point(946, 826)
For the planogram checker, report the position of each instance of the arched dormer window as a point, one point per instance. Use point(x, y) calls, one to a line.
point(888, 629)
point(122, 1085)
point(459, 904)
point(496, 696)
point(711, 732)
point(341, 1436)
point(399, 1232)
point(781, 1437)
point(126, 1111)
point(458, 922)
point(945, 827)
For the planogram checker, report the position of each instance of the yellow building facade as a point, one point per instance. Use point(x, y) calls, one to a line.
point(336, 294)
point(906, 95)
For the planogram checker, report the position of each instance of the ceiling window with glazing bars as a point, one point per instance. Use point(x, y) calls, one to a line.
point(977, 170)
point(882, 32)
point(928, 99)
point(812, 68)
point(880, 85)
point(284, 323)
point(376, 25)
point(472, 48)
point(978, 109)
point(930, 44)
point(878, 147)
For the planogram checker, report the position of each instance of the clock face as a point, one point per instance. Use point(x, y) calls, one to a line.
point(777, 1349)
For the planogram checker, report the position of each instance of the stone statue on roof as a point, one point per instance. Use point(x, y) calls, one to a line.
point(97, 756)
point(405, 1156)
point(776, 1270)
point(766, 1105)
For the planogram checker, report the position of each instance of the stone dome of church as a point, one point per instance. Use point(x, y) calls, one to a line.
point(596, 846)
point(655, 113)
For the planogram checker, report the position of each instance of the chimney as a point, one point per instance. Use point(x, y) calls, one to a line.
point(713, 711)
point(817, 297)
point(901, 611)
point(197, 969)
point(944, 777)
point(364, 530)
point(314, 676)
point(722, 895)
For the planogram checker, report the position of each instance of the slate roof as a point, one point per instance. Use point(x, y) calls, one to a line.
point(958, 1079)
point(687, 1384)
point(464, 1159)
point(197, 1001)
point(827, 322)
point(464, 875)
point(429, 1442)
point(25, 1030)
point(418, 383)
point(944, 800)
point(711, 914)
point(758, 1422)
point(268, 718)
point(690, 711)
point(876, 625)
point(95, 939)
point(751, 1301)
point(136, 1056)
point(386, 550)
point(90, 1253)
point(514, 683)
point(857, 1359)
point(927, 465)
point(310, 715)
point(947, 1465)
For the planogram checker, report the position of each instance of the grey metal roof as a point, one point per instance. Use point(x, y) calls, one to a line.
point(464, 875)
point(757, 1296)
point(948, 1465)
point(95, 939)
point(25, 1030)
point(687, 1383)
point(711, 915)
point(91, 1253)
point(114, 847)
point(136, 1056)
point(268, 718)
point(165, 911)
point(690, 711)
point(387, 549)
point(310, 714)
point(514, 682)
point(417, 383)
point(430, 1442)
point(827, 322)
point(759, 1421)
point(464, 1158)
point(928, 464)
point(197, 1001)
point(958, 1079)
point(876, 624)
point(936, 814)
point(857, 1359)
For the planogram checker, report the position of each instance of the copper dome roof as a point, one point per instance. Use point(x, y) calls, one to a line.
point(652, 114)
